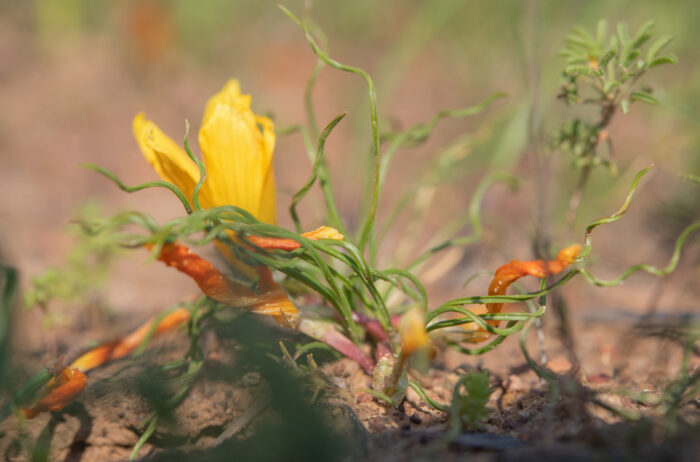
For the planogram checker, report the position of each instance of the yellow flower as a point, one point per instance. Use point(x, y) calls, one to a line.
point(237, 148)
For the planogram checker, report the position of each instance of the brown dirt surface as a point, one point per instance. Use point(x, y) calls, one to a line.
point(527, 420)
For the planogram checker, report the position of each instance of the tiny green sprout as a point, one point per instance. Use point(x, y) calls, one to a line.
point(469, 400)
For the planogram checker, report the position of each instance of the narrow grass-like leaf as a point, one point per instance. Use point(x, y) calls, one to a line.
point(393, 272)
point(541, 371)
point(605, 60)
point(420, 132)
point(26, 392)
point(368, 227)
point(665, 59)
point(483, 299)
point(615, 216)
point(474, 217)
point(9, 282)
point(424, 396)
point(643, 96)
point(150, 429)
point(153, 184)
point(657, 46)
point(581, 70)
point(601, 31)
point(625, 106)
point(200, 166)
point(478, 350)
point(299, 195)
point(645, 32)
point(691, 177)
point(308, 103)
point(668, 269)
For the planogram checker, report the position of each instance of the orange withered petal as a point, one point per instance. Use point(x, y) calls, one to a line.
point(119, 348)
point(272, 300)
point(62, 390)
point(511, 272)
point(129, 343)
point(95, 357)
point(324, 232)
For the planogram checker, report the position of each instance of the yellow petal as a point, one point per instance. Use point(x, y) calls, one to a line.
point(268, 134)
point(267, 211)
point(237, 155)
point(167, 158)
point(229, 95)
point(412, 332)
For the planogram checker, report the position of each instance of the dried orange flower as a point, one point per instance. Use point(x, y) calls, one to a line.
point(61, 391)
point(272, 300)
point(324, 232)
point(119, 348)
point(511, 272)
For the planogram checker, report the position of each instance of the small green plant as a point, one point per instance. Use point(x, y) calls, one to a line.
point(85, 272)
point(469, 400)
point(604, 72)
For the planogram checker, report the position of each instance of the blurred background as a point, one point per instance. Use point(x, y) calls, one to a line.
point(73, 73)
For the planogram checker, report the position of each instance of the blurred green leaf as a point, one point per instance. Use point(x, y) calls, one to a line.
point(625, 106)
point(610, 85)
point(576, 43)
point(643, 96)
point(581, 70)
point(691, 177)
point(469, 400)
point(622, 34)
point(665, 59)
point(9, 282)
point(601, 31)
point(657, 46)
point(645, 33)
point(605, 60)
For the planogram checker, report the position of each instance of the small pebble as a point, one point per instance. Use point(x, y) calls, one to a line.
point(415, 419)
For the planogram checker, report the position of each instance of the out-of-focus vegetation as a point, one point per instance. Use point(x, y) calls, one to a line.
point(423, 55)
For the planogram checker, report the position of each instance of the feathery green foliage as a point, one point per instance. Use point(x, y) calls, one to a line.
point(603, 72)
point(85, 272)
point(469, 399)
